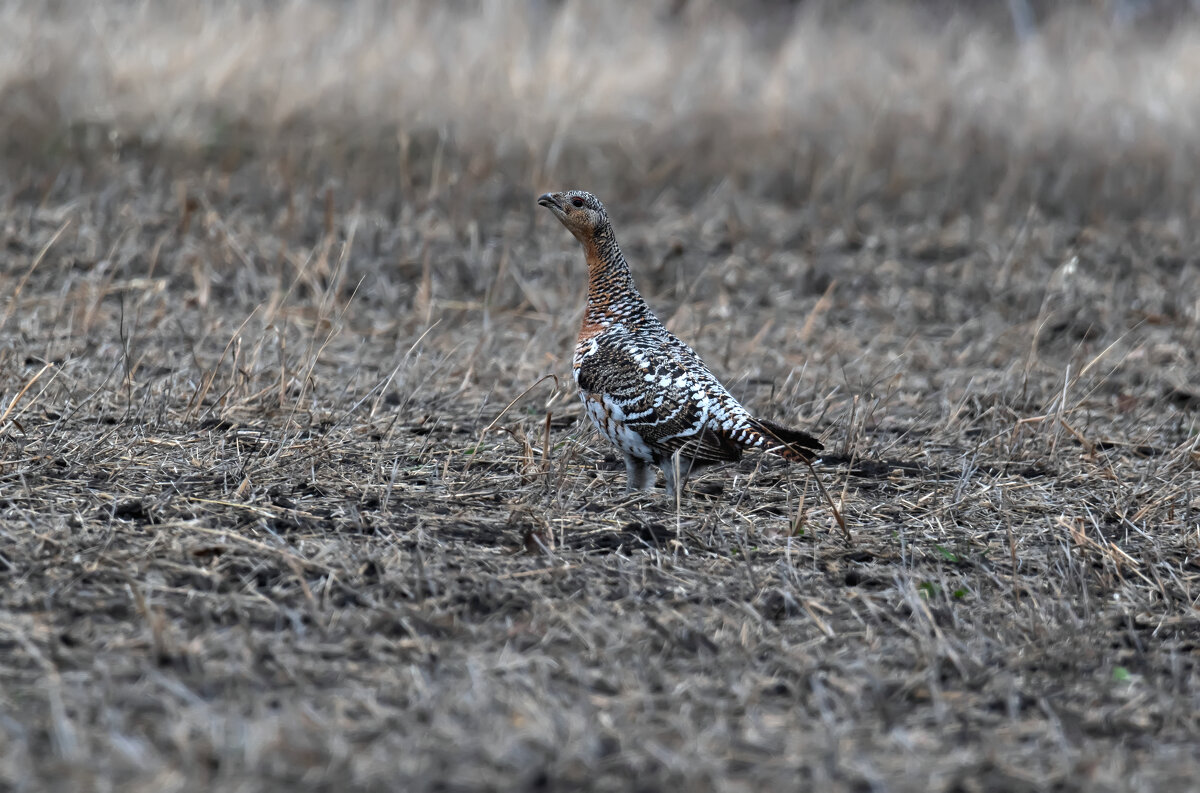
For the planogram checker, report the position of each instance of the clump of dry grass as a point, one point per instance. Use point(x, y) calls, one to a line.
point(289, 497)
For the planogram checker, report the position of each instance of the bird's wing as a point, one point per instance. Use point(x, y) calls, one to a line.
point(667, 398)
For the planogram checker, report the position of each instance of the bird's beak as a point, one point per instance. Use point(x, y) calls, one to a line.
point(550, 201)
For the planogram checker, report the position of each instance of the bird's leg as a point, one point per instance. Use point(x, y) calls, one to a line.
point(638, 474)
point(676, 469)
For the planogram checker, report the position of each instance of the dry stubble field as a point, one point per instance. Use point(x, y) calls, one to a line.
point(288, 497)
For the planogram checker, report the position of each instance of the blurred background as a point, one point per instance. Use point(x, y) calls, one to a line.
point(1077, 106)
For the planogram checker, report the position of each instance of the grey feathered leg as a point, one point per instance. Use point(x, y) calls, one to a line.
point(638, 474)
point(676, 470)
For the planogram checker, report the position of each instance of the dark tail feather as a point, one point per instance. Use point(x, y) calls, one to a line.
point(793, 444)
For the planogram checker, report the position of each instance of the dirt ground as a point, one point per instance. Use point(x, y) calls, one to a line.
point(296, 492)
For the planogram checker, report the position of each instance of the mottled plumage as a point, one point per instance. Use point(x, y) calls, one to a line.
point(646, 391)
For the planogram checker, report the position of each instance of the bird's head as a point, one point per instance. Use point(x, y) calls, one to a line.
point(582, 213)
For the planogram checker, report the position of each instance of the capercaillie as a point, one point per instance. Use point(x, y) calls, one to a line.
point(647, 392)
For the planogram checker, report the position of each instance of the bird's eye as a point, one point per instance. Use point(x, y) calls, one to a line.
point(577, 201)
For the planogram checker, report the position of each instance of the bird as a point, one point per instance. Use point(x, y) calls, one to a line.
point(646, 391)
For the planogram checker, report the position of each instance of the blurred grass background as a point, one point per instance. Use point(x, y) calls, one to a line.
point(1078, 107)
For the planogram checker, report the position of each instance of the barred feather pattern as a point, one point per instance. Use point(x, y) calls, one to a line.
point(647, 392)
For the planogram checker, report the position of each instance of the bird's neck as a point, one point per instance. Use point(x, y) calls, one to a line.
point(612, 295)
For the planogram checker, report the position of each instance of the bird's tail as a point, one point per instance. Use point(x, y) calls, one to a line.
point(788, 443)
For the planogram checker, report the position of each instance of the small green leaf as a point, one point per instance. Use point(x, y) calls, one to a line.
point(1121, 674)
point(928, 588)
point(960, 593)
point(946, 553)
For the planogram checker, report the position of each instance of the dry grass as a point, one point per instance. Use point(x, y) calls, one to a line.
point(287, 497)
point(836, 102)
